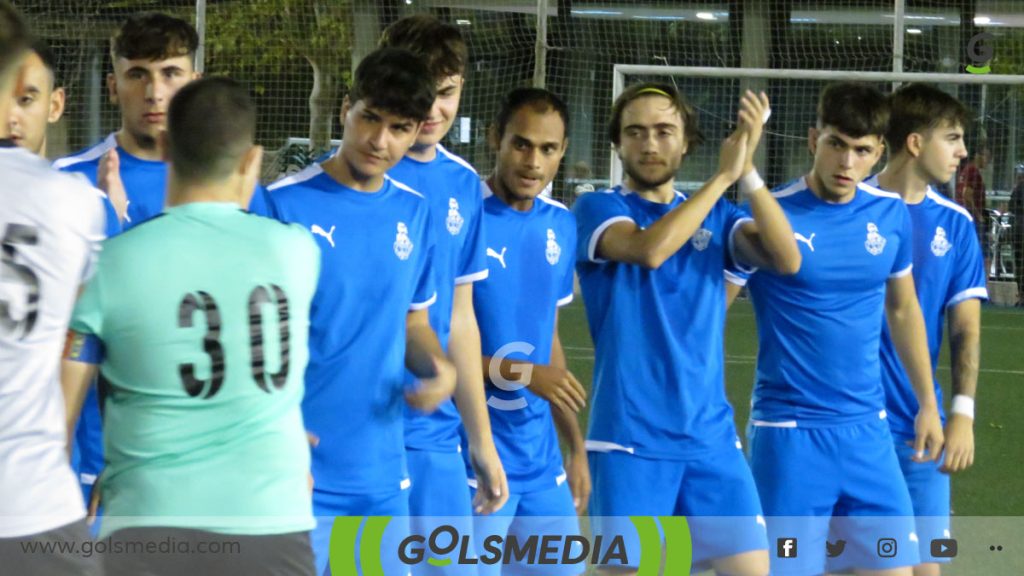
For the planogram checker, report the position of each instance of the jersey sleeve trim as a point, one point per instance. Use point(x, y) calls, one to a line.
point(978, 292)
point(732, 247)
point(902, 273)
point(736, 279)
point(565, 300)
point(84, 348)
point(470, 278)
point(595, 236)
point(423, 305)
point(602, 446)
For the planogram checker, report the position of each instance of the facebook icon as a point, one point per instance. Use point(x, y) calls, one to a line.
point(786, 548)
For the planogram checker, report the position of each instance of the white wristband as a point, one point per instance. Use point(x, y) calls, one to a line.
point(750, 182)
point(963, 405)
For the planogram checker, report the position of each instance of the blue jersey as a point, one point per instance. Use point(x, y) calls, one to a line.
point(145, 181)
point(454, 195)
point(820, 329)
point(948, 269)
point(658, 334)
point(531, 261)
point(376, 251)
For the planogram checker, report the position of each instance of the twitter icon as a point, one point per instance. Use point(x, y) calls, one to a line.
point(836, 549)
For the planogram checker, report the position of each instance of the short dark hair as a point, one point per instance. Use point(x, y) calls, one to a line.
point(154, 36)
point(394, 80)
point(14, 37)
point(211, 124)
point(918, 108)
point(691, 132)
point(539, 99)
point(42, 49)
point(439, 43)
point(855, 109)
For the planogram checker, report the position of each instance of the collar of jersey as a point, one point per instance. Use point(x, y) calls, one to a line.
point(627, 191)
point(203, 208)
point(7, 143)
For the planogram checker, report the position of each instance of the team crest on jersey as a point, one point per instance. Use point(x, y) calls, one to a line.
point(701, 239)
point(875, 243)
point(554, 251)
point(403, 246)
point(455, 220)
point(940, 245)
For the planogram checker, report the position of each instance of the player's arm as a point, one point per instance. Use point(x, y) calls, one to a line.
point(427, 362)
point(464, 350)
point(965, 351)
point(768, 241)
point(650, 247)
point(552, 383)
point(79, 367)
point(577, 468)
point(906, 324)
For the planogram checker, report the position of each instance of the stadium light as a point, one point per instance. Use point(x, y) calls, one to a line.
point(982, 20)
point(706, 16)
point(913, 31)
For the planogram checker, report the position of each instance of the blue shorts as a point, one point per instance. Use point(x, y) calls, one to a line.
point(328, 505)
point(716, 493)
point(439, 495)
point(545, 512)
point(929, 494)
point(841, 482)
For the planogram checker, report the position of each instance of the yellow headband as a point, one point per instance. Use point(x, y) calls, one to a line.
point(657, 91)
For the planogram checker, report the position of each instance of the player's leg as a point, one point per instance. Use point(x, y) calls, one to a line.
point(439, 495)
point(24, 555)
point(874, 514)
point(329, 505)
point(486, 531)
point(796, 471)
point(719, 497)
point(625, 485)
point(930, 495)
point(548, 513)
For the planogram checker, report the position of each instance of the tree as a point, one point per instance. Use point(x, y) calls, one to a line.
point(270, 34)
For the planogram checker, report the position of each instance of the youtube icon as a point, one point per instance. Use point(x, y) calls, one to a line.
point(944, 548)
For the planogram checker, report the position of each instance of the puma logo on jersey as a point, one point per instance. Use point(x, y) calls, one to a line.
point(809, 241)
point(499, 257)
point(320, 232)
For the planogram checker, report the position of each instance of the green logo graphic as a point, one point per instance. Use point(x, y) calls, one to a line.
point(980, 53)
point(357, 545)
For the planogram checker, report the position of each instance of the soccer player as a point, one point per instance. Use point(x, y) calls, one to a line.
point(51, 226)
point(651, 262)
point(199, 321)
point(370, 309)
point(152, 57)
point(970, 193)
point(39, 100)
point(926, 144)
point(818, 400)
point(530, 240)
point(453, 192)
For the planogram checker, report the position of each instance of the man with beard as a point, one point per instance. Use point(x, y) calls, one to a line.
point(651, 262)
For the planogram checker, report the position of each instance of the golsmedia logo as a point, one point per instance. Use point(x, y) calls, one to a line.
point(364, 539)
point(980, 53)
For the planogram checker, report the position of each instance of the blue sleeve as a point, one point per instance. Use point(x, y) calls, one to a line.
point(569, 276)
point(968, 279)
point(734, 218)
point(113, 226)
point(473, 259)
point(84, 348)
point(904, 261)
point(261, 203)
point(595, 212)
point(426, 287)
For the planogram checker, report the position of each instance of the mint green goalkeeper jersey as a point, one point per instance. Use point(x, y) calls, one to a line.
point(203, 313)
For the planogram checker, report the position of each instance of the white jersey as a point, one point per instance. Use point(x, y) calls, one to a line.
point(51, 226)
